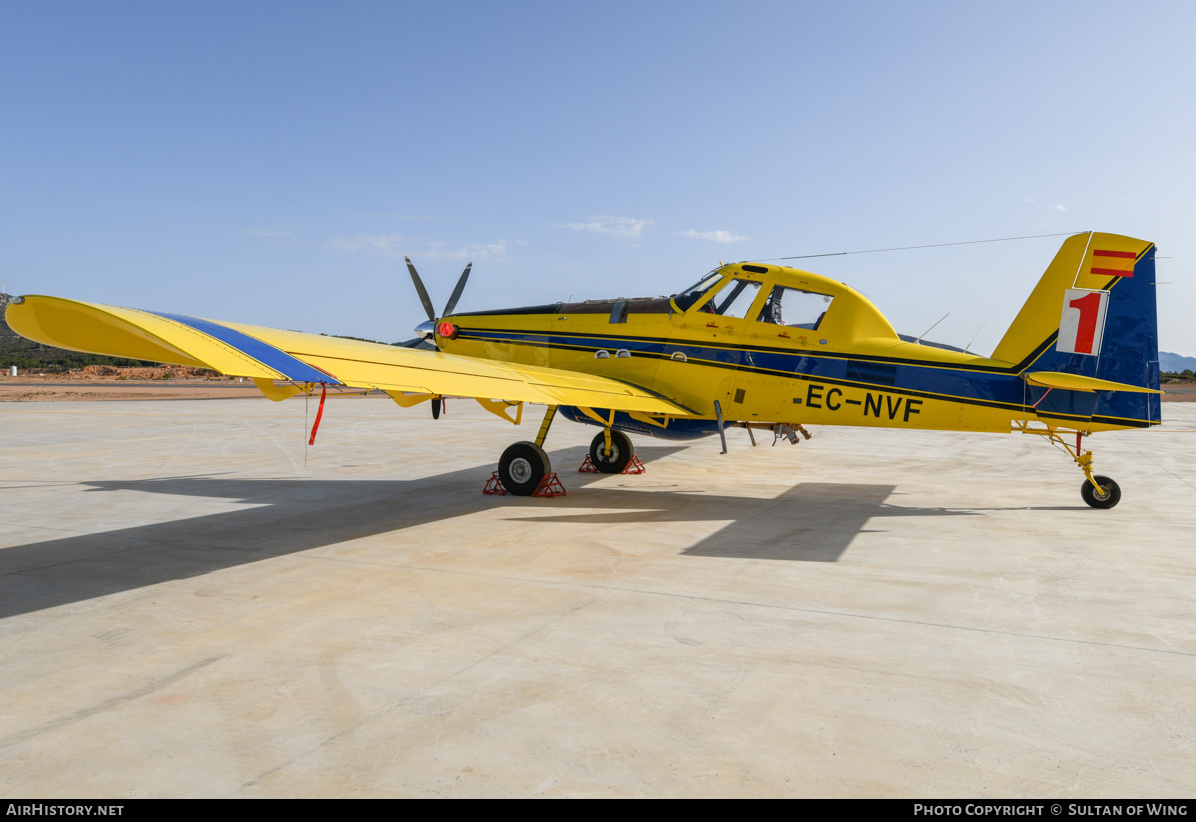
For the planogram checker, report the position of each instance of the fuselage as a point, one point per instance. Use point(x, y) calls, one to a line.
point(774, 344)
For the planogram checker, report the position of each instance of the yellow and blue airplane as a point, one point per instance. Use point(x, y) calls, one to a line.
point(749, 345)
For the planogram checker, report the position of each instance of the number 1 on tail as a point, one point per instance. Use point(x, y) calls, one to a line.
point(1083, 322)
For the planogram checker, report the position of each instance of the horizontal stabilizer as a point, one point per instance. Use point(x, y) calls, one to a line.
point(1077, 382)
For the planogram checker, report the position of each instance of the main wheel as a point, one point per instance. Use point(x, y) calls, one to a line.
point(1111, 493)
point(620, 453)
point(521, 467)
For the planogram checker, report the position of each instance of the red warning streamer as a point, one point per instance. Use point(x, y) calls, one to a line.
point(316, 425)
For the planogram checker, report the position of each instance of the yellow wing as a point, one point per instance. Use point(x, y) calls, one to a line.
point(270, 354)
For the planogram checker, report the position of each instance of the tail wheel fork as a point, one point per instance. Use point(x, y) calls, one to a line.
point(1097, 491)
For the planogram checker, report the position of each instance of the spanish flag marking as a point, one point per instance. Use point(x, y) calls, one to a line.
point(1115, 264)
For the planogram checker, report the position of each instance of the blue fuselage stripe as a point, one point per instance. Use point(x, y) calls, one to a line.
point(949, 381)
point(269, 356)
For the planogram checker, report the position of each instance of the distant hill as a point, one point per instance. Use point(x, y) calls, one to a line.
point(1175, 363)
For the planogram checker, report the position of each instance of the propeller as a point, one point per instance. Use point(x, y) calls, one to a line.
point(427, 331)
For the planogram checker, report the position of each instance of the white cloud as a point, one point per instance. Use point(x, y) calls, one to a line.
point(1060, 207)
point(719, 236)
point(471, 252)
point(627, 228)
point(398, 245)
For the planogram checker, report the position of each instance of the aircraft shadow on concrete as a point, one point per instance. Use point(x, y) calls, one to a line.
point(807, 522)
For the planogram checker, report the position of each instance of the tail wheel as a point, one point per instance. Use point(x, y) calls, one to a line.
point(522, 466)
point(620, 453)
point(1107, 497)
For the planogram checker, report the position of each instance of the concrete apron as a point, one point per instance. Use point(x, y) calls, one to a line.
point(186, 609)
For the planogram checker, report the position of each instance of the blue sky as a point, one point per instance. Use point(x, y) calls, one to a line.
point(272, 162)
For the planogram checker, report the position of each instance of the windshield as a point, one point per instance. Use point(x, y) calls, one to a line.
point(695, 292)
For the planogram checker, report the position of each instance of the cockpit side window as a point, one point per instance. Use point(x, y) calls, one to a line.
point(795, 307)
point(739, 298)
point(687, 298)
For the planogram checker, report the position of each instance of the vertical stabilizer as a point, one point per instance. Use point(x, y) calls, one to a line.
point(1094, 314)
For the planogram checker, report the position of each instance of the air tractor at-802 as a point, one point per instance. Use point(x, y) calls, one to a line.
point(750, 344)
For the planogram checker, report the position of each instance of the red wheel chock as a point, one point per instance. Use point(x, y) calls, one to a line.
point(549, 486)
point(633, 467)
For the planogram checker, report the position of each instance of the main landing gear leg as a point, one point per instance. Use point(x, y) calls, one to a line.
point(523, 465)
point(544, 426)
point(1097, 491)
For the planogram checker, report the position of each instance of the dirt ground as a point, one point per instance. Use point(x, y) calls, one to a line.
point(101, 382)
point(56, 388)
point(1179, 393)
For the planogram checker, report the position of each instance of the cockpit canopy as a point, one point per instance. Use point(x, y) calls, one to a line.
point(755, 298)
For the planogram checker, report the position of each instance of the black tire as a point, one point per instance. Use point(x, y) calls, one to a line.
point(1111, 497)
point(620, 453)
point(521, 467)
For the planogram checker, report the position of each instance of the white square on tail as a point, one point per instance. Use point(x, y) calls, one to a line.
point(1083, 322)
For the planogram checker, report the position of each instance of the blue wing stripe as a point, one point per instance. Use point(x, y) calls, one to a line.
point(268, 355)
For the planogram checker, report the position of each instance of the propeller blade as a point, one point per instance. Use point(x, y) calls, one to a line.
point(452, 303)
point(436, 408)
point(423, 294)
